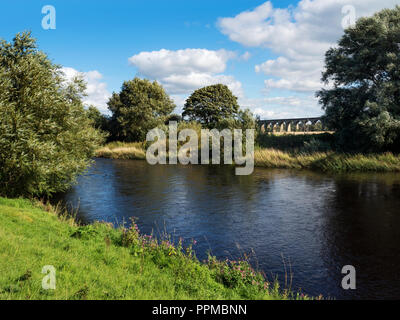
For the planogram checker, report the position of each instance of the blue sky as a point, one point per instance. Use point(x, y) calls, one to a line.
point(269, 53)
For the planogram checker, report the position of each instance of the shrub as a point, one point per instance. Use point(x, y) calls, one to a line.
point(316, 145)
point(291, 142)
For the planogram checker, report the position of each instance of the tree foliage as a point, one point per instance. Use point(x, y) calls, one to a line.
point(46, 138)
point(363, 105)
point(99, 120)
point(244, 119)
point(139, 107)
point(173, 117)
point(210, 105)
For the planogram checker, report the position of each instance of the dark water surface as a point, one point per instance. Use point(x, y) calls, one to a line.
point(314, 222)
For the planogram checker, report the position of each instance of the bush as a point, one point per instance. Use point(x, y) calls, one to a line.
point(316, 145)
point(46, 138)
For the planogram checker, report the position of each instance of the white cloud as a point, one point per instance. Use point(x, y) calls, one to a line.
point(283, 107)
point(180, 84)
point(184, 71)
point(300, 85)
point(97, 93)
point(299, 35)
point(179, 100)
point(264, 114)
point(295, 75)
point(165, 62)
point(245, 56)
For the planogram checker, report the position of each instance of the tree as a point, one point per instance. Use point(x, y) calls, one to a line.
point(173, 117)
point(244, 119)
point(139, 107)
point(99, 120)
point(210, 105)
point(363, 106)
point(46, 138)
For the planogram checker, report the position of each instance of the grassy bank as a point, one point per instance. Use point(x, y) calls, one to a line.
point(122, 150)
point(100, 262)
point(327, 161)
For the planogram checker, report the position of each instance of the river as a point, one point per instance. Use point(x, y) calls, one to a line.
point(304, 225)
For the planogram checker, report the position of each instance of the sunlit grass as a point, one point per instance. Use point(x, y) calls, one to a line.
point(327, 161)
point(385, 162)
point(101, 262)
point(121, 150)
point(272, 158)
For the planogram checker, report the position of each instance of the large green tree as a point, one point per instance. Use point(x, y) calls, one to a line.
point(211, 105)
point(99, 121)
point(46, 138)
point(139, 107)
point(363, 105)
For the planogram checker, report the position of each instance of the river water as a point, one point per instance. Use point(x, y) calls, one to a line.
point(304, 225)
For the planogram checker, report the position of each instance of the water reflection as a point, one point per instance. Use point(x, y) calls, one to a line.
point(319, 222)
point(362, 229)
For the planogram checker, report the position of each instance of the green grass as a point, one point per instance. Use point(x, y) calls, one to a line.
point(327, 161)
point(100, 262)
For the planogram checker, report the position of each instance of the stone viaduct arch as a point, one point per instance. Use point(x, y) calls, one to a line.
point(290, 125)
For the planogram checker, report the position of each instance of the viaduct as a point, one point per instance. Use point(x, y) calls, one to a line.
point(287, 125)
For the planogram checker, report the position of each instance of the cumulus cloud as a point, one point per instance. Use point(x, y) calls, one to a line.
point(184, 71)
point(283, 107)
point(97, 92)
point(295, 75)
point(299, 35)
point(165, 62)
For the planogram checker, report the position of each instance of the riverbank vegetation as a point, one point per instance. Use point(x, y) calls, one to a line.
point(121, 150)
point(101, 262)
point(309, 157)
point(327, 161)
